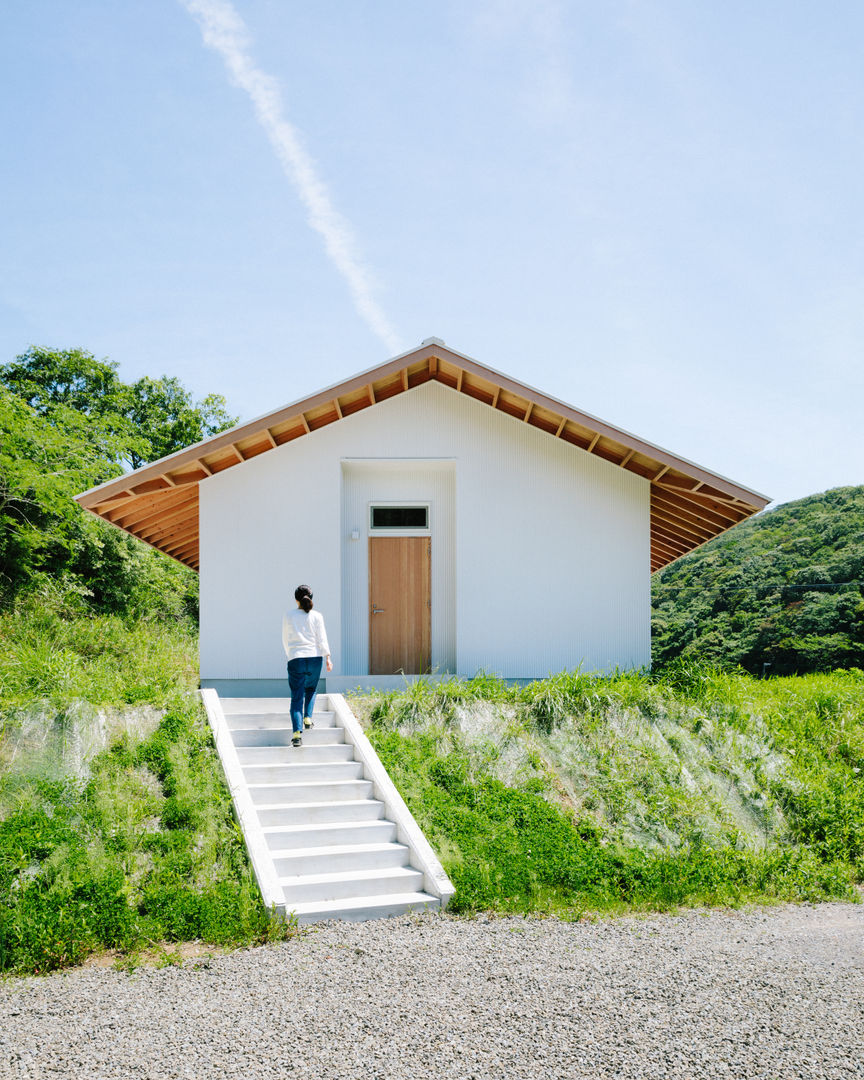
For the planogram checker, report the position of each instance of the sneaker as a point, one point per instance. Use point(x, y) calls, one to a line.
point(307, 722)
point(296, 739)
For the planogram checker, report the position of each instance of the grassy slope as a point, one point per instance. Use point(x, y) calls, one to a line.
point(592, 793)
point(141, 845)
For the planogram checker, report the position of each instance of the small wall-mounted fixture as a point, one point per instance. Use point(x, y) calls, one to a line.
point(355, 534)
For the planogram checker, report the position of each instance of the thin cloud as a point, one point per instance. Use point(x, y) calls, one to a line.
point(225, 32)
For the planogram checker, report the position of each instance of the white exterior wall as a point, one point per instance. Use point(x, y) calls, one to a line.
point(548, 546)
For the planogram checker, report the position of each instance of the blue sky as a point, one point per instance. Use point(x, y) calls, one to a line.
point(651, 210)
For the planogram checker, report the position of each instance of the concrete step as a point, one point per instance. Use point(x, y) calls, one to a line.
point(287, 838)
point(320, 841)
point(311, 791)
point(361, 908)
point(300, 771)
point(343, 885)
point(317, 813)
point(281, 736)
point(312, 753)
point(275, 720)
point(233, 705)
point(340, 857)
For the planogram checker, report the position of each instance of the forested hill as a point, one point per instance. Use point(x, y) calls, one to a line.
point(67, 423)
point(785, 588)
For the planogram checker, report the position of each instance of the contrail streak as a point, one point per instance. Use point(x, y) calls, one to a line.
point(225, 32)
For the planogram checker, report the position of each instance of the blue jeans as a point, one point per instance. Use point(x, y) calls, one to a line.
point(303, 676)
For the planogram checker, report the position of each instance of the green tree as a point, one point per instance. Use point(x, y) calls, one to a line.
point(46, 378)
point(163, 411)
point(42, 465)
point(136, 422)
point(67, 423)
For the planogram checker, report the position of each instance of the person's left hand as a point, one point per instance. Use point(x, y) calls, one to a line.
point(329, 664)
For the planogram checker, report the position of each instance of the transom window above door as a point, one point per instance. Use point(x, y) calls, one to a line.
point(393, 518)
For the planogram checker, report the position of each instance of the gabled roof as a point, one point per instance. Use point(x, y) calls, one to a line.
point(159, 503)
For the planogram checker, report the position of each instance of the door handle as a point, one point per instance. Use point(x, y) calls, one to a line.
point(377, 610)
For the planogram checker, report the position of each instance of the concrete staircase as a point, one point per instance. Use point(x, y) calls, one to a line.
point(328, 834)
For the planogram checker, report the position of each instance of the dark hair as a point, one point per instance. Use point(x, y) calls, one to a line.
point(303, 596)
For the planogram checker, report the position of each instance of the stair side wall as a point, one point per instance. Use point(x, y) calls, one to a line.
point(247, 814)
point(408, 832)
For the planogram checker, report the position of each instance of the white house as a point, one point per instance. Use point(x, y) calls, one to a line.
point(448, 519)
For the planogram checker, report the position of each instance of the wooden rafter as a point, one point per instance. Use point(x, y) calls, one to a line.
point(157, 524)
point(151, 485)
point(177, 530)
point(681, 527)
point(116, 500)
point(695, 533)
point(728, 513)
point(661, 528)
point(708, 496)
point(661, 558)
point(168, 498)
point(184, 551)
point(184, 547)
point(143, 524)
point(182, 533)
point(694, 513)
point(671, 539)
point(689, 505)
point(131, 513)
point(188, 481)
point(660, 545)
point(110, 505)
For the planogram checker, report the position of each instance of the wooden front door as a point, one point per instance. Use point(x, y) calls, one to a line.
point(399, 605)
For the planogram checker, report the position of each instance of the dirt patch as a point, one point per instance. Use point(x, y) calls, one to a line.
point(161, 954)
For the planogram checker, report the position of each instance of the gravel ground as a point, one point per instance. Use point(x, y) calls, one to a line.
point(765, 993)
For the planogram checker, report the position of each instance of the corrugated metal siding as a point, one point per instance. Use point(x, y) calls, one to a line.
point(408, 481)
point(553, 544)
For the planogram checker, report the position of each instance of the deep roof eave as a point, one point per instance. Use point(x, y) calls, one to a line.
point(433, 349)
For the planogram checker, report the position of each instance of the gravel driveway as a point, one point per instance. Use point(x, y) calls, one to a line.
point(764, 993)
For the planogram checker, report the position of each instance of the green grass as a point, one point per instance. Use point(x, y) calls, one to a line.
point(52, 655)
point(116, 827)
point(145, 850)
point(577, 793)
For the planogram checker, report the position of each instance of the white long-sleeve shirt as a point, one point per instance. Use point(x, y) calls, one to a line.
point(303, 634)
